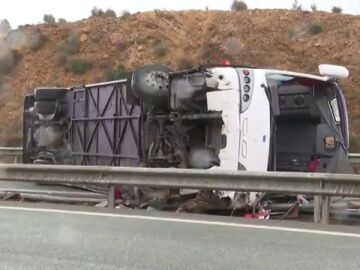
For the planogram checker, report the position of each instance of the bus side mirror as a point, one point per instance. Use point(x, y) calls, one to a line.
point(332, 71)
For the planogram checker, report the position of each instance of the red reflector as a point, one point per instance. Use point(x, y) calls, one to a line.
point(226, 63)
point(314, 164)
point(246, 72)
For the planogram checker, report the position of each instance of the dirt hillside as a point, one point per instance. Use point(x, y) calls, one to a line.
point(91, 50)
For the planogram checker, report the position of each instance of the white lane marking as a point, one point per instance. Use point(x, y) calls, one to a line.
point(191, 221)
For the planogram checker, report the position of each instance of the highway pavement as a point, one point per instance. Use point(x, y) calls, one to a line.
point(38, 236)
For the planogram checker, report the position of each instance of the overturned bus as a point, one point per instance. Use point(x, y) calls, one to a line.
point(225, 117)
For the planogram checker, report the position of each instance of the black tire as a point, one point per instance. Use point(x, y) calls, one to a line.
point(41, 94)
point(151, 84)
point(45, 107)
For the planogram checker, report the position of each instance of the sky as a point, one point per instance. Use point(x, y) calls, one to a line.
point(19, 12)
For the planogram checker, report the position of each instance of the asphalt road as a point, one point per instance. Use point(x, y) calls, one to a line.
point(33, 238)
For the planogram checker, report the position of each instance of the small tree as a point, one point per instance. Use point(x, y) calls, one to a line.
point(110, 13)
point(49, 19)
point(125, 14)
point(296, 6)
point(336, 10)
point(313, 7)
point(4, 27)
point(62, 21)
point(238, 5)
point(95, 12)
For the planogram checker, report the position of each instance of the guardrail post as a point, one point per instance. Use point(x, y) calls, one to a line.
point(137, 195)
point(325, 211)
point(111, 197)
point(317, 209)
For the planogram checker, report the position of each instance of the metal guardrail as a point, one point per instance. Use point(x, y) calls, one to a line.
point(354, 158)
point(319, 184)
point(15, 152)
point(290, 182)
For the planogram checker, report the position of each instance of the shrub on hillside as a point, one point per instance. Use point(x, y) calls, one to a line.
point(49, 19)
point(35, 40)
point(315, 28)
point(313, 7)
point(117, 73)
point(159, 49)
point(110, 13)
point(291, 32)
point(95, 12)
point(17, 56)
point(336, 10)
point(238, 5)
point(214, 54)
point(184, 62)
point(142, 39)
point(79, 66)
point(61, 59)
point(208, 55)
point(70, 45)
